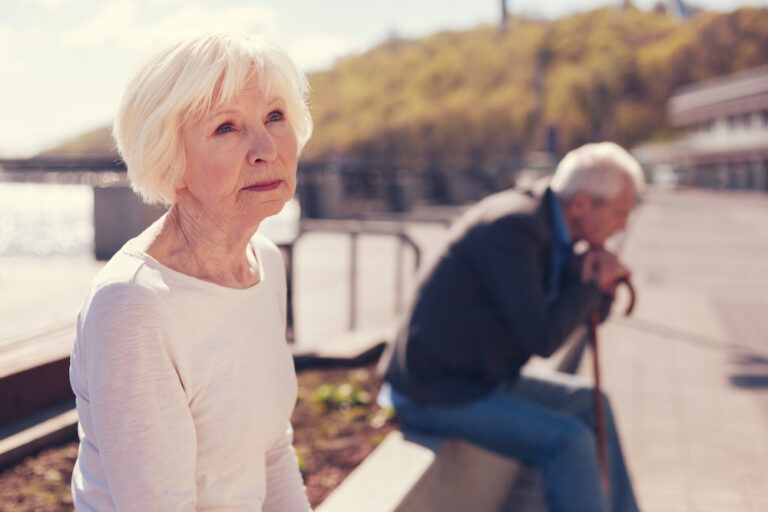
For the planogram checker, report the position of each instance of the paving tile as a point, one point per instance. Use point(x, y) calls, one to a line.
point(683, 371)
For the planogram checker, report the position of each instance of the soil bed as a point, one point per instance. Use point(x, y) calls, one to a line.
point(336, 422)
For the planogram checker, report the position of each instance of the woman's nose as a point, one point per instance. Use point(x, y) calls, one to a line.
point(262, 146)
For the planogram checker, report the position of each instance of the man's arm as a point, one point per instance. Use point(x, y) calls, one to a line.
point(510, 263)
point(604, 269)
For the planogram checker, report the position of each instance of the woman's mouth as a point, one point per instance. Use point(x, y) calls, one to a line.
point(264, 186)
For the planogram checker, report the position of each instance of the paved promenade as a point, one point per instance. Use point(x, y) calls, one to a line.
point(688, 372)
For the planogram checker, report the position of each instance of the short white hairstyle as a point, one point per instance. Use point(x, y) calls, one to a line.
point(598, 170)
point(183, 80)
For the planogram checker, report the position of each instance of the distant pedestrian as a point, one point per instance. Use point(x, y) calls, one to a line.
point(507, 286)
point(183, 379)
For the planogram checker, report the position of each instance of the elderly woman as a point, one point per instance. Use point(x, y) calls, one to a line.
point(183, 379)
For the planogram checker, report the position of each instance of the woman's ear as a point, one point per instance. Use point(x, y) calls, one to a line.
point(182, 182)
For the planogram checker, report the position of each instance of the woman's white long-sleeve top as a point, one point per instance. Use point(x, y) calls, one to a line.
point(184, 391)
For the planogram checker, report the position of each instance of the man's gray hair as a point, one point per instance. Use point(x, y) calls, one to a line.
point(599, 170)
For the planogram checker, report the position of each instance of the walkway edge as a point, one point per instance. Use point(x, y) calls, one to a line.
point(62, 427)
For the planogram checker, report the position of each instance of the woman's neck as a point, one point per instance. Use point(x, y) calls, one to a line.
point(192, 241)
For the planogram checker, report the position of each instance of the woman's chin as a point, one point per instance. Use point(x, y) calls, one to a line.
point(269, 208)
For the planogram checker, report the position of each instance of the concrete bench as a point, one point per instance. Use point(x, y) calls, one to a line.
point(36, 402)
point(411, 472)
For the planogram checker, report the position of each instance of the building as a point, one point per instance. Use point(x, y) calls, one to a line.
point(724, 125)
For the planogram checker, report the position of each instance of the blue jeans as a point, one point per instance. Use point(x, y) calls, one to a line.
point(542, 420)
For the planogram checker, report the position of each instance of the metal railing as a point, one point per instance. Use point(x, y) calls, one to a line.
point(354, 229)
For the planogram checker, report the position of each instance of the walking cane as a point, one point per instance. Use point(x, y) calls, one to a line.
point(602, 453)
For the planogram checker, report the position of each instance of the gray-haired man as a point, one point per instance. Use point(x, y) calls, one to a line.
point(508, 286)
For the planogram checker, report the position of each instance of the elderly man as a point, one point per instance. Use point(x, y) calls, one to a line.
point(507, 286)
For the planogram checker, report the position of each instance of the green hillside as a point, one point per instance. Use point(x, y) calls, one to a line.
point(96, 143)
point(482, 94)
point(604, 74)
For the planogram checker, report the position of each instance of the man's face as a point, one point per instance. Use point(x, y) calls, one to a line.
point(596, 221)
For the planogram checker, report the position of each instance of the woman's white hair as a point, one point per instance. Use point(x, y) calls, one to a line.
point(599, 170)
point(182, 81)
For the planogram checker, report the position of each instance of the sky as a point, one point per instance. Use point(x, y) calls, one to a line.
point(64, 63)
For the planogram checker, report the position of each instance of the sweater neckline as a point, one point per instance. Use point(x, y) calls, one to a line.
point(195, 281)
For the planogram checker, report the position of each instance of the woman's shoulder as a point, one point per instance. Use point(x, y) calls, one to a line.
point(127, 281)
point(122, 313)
point(266, 250)
point(261, 242)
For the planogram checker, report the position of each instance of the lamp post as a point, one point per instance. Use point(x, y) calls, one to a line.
point(503, 15)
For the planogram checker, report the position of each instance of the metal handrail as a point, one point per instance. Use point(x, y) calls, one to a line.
point(355, 228)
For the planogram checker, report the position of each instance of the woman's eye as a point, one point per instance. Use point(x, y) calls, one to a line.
point(275, 115)
point(225, 128)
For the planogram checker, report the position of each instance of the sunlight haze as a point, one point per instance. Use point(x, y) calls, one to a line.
point(64, 62)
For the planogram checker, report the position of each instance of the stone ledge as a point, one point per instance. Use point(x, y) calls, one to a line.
point(60, 427)
point(348, 350)
point(412, 472)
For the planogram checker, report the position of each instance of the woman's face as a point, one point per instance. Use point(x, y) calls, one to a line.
point(241, 159)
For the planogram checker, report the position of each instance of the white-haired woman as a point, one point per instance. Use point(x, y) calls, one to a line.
point(183, 379)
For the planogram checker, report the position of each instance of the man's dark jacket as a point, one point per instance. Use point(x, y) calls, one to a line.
point(481, 309)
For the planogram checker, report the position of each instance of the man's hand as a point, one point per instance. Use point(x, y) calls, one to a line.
point(604, 269)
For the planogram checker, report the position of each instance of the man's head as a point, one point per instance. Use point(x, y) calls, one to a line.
point(597, 185)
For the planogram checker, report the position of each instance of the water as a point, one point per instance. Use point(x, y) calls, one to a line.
point(41, 219)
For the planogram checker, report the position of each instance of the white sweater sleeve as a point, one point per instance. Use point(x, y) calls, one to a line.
point(144, 430)
point(285, 488)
